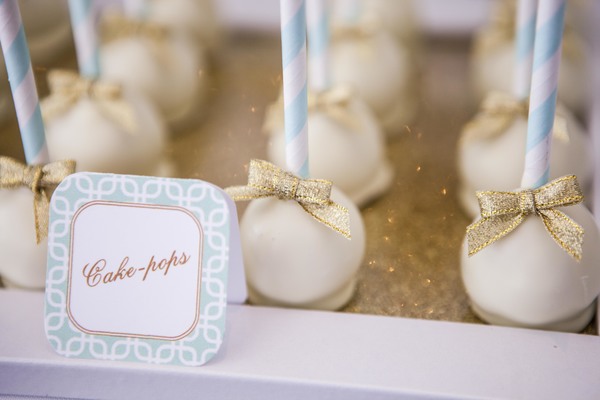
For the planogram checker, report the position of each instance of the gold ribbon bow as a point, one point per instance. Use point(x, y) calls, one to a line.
point(67, 87)
point(313, 195)
point(334, 102)
point(497, 113)
point(39, 178)
point(502, 212)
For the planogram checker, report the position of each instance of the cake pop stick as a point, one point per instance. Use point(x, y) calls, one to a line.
point(295, 100)
point(318, 36)
point(524, 38)
point(544, 85)
point(83, 19)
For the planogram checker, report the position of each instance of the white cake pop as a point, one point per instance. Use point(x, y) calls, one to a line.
point(126, 137)
point(162, 64)
point(193, 17)
point(396, 17)
point(294, 259)
point(381, 71)
point(346, 144)
point(526, 279)
point(491, 153)
point(23, 245)
point(24, 261)
point(493, 61)
point(48, 29)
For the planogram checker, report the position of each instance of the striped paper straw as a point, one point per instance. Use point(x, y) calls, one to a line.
point(293, 55)
point(544, 83)
point(524, 38)
point(318, 44)
point(83, 19)
point(22, 83)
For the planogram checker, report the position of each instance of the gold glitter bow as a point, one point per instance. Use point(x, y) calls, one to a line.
point(501, 30)
point(313, 195)
point(502, 212)
point(39, 178)
point(497, 113)
point(67, 87)
point(334, 102)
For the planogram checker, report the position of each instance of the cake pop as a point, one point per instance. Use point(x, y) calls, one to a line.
point(162, 64)
point(345, 143)
point(103, 126)
point(539, 275)
point(379, 69)
point(296, 240)
point(491, 149)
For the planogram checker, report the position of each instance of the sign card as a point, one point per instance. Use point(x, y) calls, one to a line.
point(138, 268)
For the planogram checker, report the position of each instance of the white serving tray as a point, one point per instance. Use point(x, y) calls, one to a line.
point(274, 353)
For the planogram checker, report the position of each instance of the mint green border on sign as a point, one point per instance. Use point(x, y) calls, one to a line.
point(205, 201)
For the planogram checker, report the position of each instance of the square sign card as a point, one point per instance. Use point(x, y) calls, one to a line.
point(138, 268)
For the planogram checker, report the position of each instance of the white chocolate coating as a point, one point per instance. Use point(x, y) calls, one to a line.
point(494, 71)
point(497, 164)
point(293, 260)
point(381, 72)
point(99, 144)
point(172, 74)
point(395, 16)
point(23, 261)
point(525, 279)
point(353, 158)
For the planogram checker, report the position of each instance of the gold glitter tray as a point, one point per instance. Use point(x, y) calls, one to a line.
point(411, 270)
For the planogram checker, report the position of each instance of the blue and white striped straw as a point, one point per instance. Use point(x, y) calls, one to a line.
point(293, 49)
point(22, 83)
point(524, 39)
point(544, 84)
point(318, 44)
point(83, 19)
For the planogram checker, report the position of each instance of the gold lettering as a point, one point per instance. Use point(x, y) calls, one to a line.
point(94, 275)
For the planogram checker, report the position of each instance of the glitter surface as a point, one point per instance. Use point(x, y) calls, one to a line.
point(414, 232)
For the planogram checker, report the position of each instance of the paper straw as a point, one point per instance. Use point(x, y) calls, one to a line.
point(524, 38)
point(544, 84)
point(293, 55)
point(22, 83)
point(83, 19)
point(318, 44)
